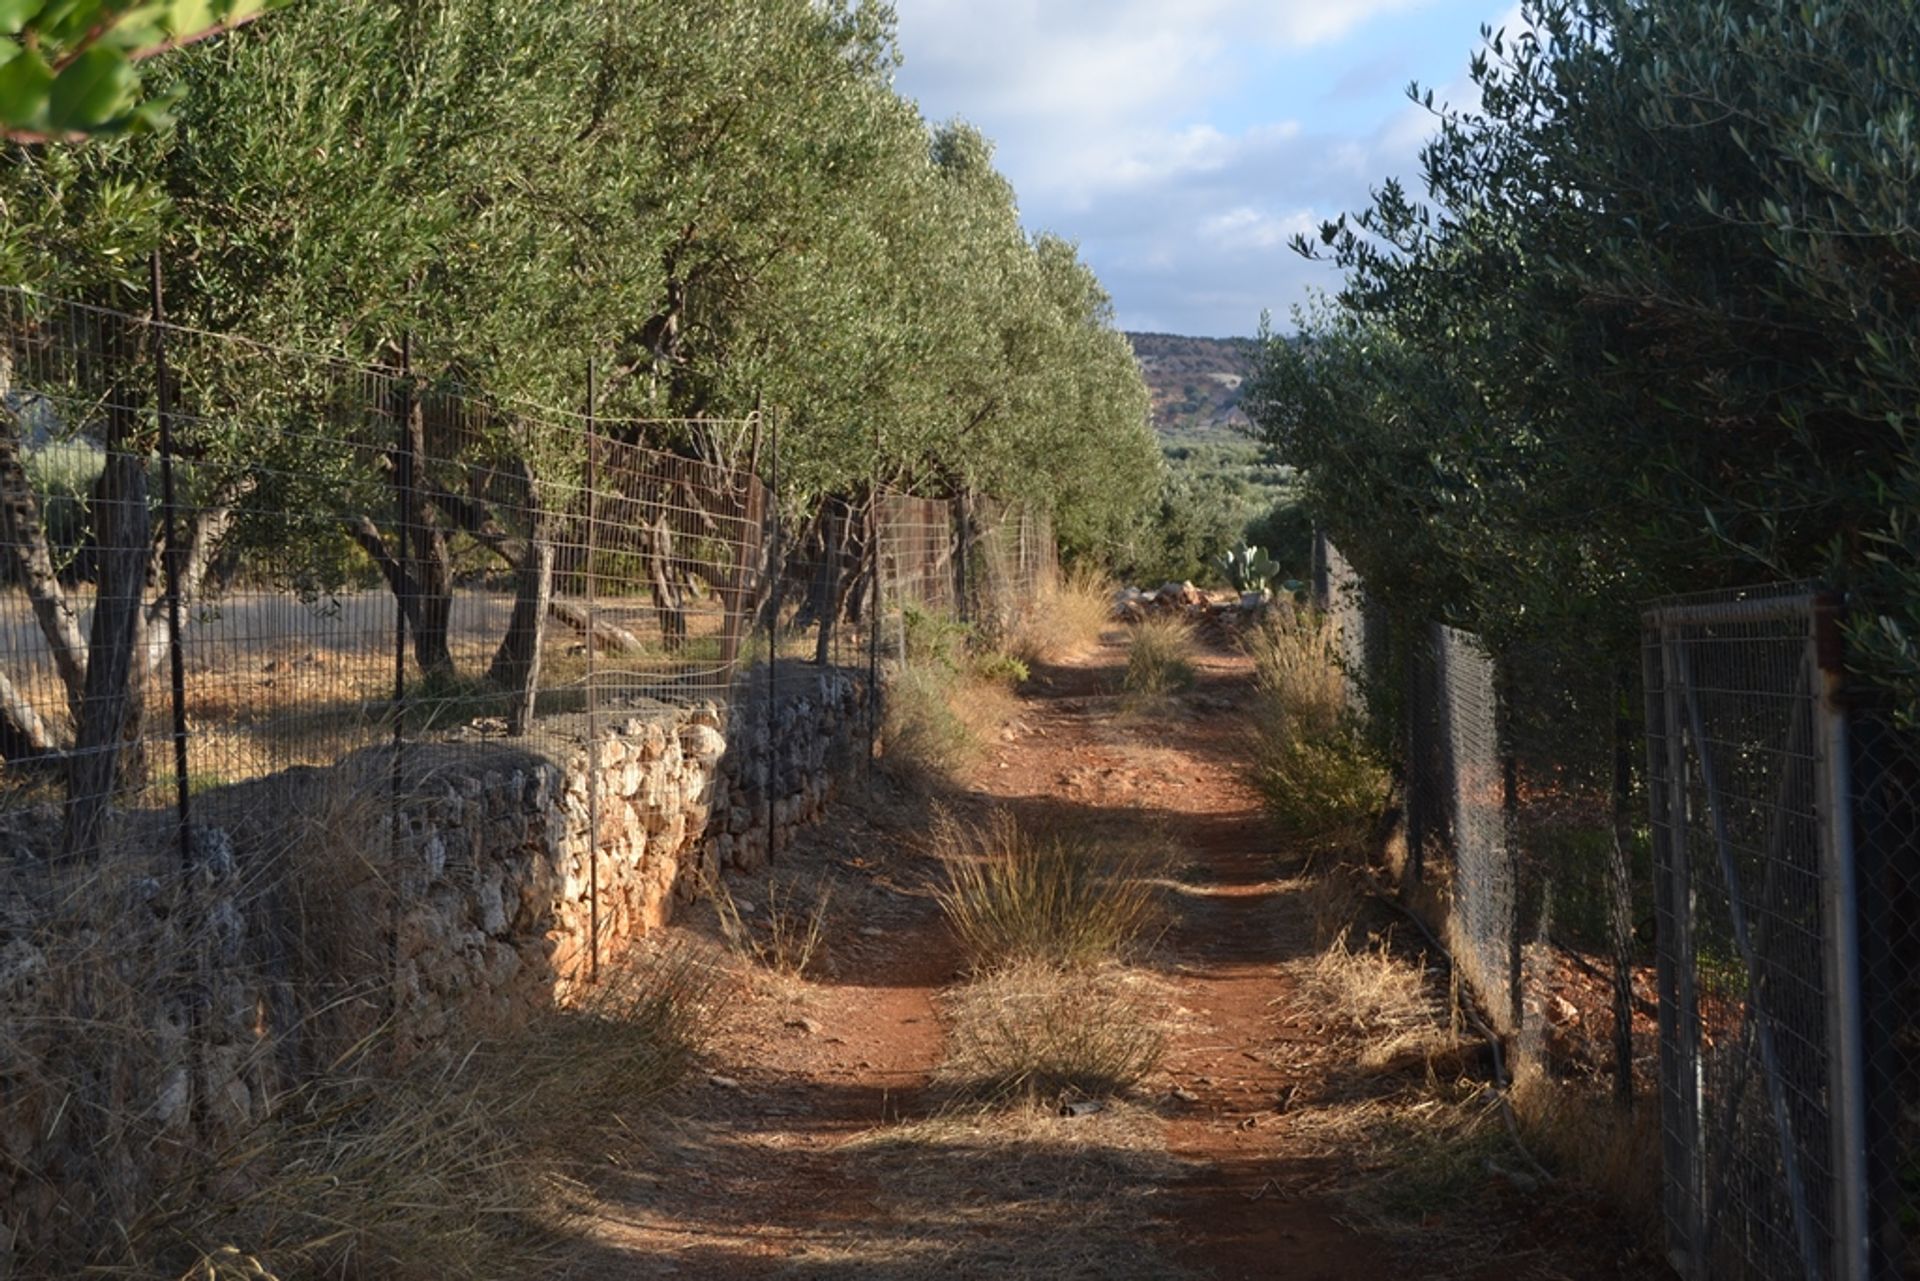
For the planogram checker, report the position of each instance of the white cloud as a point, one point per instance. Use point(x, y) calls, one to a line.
point(1133, 127)
point(1245, 227)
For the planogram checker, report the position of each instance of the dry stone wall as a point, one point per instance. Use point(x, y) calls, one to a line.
point(154, 1007)
point(501, 883)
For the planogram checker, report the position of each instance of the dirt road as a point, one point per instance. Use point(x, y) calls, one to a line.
point(820, 1146)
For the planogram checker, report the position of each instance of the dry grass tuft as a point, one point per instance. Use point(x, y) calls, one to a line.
point(1576, 1128)
point(464, 1169)
point(360, 1174)
point(615, 1048)
point(1067, 619)
point(786, 936)
point(1320, 779)
point(938, 720)
point(1159, 661)
point(332, 1162)
point(1296, 661)
point(1410, 1107)
point(1380, 1003)
point(1013, 896)
point(1044, 1033)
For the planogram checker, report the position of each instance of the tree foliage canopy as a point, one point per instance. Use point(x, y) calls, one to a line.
point(1656, 328)
point(723, 205)
point(68, 67)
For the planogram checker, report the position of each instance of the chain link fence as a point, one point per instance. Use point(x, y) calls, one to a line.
point(1759, 986)
point(1509, 799)
point(1886, 834)
point(1749, 952)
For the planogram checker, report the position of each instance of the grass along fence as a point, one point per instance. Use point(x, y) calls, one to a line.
point(1696, 900)
point(311, 672)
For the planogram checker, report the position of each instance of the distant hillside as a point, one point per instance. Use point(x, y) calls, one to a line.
point(1195, 382)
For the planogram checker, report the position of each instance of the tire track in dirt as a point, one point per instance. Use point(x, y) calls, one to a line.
point(1240, 1213)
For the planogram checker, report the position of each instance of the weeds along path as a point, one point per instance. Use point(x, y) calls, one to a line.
point(818, 1142)
point(814, 1145)
point(1238, 1210)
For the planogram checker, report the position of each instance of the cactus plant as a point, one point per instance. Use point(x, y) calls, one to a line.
point(1249, 569)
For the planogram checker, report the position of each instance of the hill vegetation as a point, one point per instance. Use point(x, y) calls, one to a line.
point(1220, 485)
point(1196, 383)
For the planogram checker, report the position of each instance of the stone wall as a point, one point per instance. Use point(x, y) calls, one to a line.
point(149, 1008)
point(500, 882)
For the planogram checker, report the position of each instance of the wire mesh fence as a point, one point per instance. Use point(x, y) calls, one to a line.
point(1015, 563)
point(1360, 627)
point(1509, 835)
point(253, 602)
point(1470, 798)
point(1761, 1080)
point(1775, 1015)
point(351, 555)
point(1886, 833)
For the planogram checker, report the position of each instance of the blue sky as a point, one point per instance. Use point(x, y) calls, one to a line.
point(1181, 143)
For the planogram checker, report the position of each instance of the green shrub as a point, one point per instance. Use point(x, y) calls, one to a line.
point(925, 736)
point(1321, 780)
point(1004, 668)
point(934, 638)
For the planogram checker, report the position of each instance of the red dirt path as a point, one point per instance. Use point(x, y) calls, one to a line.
point(777, 1166)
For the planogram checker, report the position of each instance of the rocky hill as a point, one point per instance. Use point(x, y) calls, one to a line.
point(1195, 382)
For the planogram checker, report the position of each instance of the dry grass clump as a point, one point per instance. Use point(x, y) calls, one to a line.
point(1424, 1165)
point(938, 719)
point(616, 1047)
point(459, 1170)
point(1037, 1031)
point(1576, 1128)
point(1065, 620)
point(1296, 660)
point(1159, 661)
point(360, 1174)
point(785, 936)
point(1013, 895)
point(332, 1162)
point(1381, 1002)
point(1320, 779)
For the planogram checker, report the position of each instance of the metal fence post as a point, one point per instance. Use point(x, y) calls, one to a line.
point(591, 478)
point(1686, 1018)
point(1504, 734)
point(1416, 755)
point(874, 615)
point(170, 558)
point(1846, 1067)
point(1320, 589)
point(405, 587)
point(1620, 892)
point(963, 524)
point(773, 634)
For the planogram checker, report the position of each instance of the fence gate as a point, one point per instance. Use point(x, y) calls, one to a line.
point(1760, 1046)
